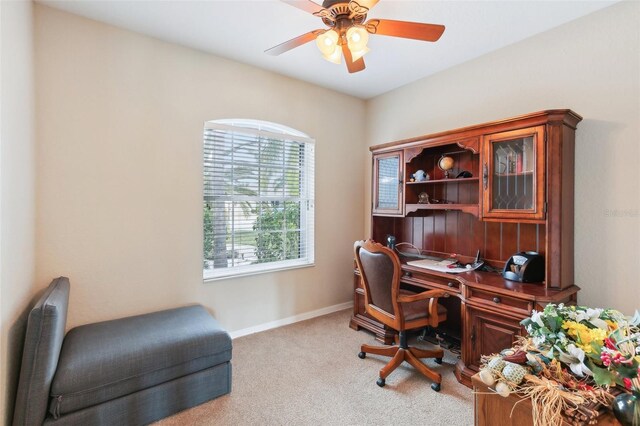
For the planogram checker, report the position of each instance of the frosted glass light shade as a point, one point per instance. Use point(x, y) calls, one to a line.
point(327, 42)
point(357, 54)
point(335, 56)
point(357, 38)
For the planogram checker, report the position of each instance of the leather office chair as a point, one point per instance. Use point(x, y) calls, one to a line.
point(399, 309)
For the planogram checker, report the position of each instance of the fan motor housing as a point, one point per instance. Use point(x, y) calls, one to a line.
point(340, 11)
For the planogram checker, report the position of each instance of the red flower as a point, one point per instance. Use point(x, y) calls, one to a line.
point(627, 383)
point(585, 387)
point(609, 343)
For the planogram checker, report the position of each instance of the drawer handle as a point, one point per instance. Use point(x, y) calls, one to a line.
point(496, 300)
point(407, 274)
point(450, 284)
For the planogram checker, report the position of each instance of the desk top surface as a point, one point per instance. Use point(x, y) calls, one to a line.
point(494, 282)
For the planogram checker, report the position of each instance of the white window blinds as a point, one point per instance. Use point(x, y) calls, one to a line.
point(258, 198)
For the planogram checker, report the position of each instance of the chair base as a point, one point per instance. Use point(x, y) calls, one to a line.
point(399, 354)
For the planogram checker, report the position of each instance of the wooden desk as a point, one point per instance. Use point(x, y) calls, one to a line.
point(487, 310)
point(518, 197)
point(491, 409)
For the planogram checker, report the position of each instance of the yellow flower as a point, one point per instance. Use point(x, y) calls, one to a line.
point(612, 325)
point(598, 335)
point(586, 348)
point(584, 335)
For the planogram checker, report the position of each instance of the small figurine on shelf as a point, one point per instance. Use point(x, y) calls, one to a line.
point(421, 176)
point(423, 198)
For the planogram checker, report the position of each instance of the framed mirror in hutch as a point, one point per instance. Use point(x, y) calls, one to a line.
point(498, 188)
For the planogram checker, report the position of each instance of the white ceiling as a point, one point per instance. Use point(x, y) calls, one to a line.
point(242, 30)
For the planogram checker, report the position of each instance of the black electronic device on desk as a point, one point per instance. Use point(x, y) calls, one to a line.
point(525, 267)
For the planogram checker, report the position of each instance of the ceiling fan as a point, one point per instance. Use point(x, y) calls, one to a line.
point(348, 33)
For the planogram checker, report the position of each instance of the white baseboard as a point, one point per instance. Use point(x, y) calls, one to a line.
point(290, 320)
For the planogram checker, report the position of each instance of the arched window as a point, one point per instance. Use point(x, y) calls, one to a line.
point(258, 198)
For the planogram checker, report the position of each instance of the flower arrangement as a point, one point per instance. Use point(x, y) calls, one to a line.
point(599, 343)
point(568, 363)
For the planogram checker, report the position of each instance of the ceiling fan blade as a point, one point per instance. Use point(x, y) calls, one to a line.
point(352, 66)
point(306, 5)
point(367, 3)
point(404, 29)
point(293, 43)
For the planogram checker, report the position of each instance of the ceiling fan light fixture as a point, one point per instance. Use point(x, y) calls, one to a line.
point(335, 56)
point(348, 29)
point(357, 54)
point(327, 42)
point(357, 38)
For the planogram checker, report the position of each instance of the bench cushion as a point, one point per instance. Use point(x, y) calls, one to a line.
point(103, 361)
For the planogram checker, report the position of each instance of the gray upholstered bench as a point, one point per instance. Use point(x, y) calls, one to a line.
point(129, 371)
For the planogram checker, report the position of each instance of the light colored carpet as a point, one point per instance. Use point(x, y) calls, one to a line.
point(309, 373)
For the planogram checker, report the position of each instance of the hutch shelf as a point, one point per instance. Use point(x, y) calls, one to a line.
point(516, 195)
point(468, 208)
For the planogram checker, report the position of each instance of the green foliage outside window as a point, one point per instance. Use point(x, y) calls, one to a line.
point(208, 234)
point(283, 242)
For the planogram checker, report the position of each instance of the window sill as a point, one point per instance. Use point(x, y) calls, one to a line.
point(248, 272)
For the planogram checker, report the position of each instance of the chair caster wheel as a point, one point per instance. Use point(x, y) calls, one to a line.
point(380, 382)
point(438, 360)
point(435, 387)
point(362, 355)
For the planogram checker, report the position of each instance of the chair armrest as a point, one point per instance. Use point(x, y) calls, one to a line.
point(432, 296)
point(429, 294)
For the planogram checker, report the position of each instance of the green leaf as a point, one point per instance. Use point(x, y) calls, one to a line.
point(558, 324)
point(596, 349)
point(617, 335)
point(554, 323)
point(595, 356)
point(630, 372)
point(601, 376)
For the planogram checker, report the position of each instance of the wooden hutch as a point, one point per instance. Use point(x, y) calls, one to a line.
point(519, 197)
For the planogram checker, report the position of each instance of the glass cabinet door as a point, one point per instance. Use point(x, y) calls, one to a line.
point(387, 184)
point(513, 174)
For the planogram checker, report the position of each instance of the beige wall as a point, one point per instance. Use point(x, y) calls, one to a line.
point(119, 156)
point(591, 65)
point(17, 191)
point(119, 120)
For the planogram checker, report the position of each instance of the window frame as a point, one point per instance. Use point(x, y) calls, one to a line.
point(280, 132)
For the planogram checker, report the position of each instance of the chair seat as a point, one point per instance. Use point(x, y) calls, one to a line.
point(103, 361)
point(420, 309)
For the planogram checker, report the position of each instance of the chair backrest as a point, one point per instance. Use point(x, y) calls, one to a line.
point(380, 271)
point(42, 345)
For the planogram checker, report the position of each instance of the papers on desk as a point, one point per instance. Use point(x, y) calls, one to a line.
point(438, 265)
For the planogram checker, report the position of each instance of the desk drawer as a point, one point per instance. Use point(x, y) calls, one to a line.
point(500, 301)
point(426, 280)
